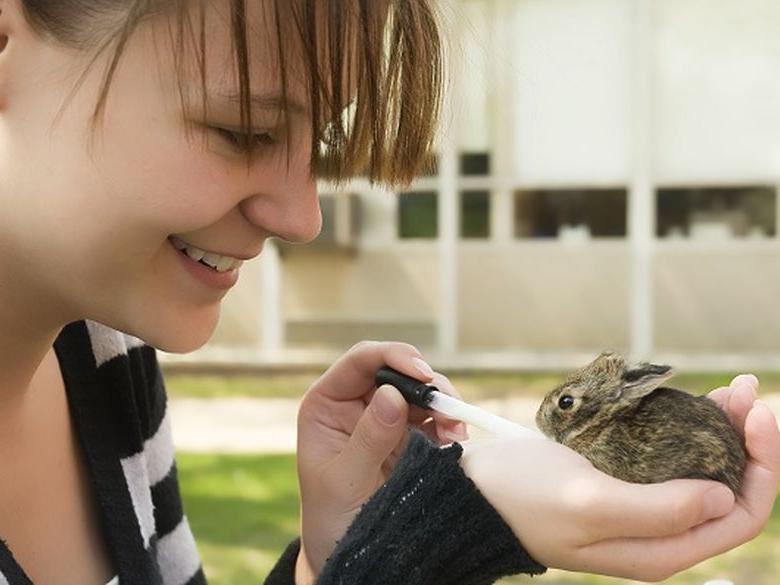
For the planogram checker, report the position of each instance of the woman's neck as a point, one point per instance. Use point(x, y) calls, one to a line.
point(27, 334)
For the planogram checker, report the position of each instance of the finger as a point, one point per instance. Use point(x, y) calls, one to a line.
point(747, 379)
point(377, 433)
point(622, 509)
point(444, 384)
point(721, 396)
point(392, 460)
point(415, 415)
point(759, 485)
point(429, 428)
point(762, 441)
point(353, 375)
point(740, 401)
point(448, 429)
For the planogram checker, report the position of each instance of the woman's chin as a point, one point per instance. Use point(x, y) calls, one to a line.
point(175, 334)
point(184, 339)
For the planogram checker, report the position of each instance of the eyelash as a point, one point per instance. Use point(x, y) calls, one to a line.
point(241, 141)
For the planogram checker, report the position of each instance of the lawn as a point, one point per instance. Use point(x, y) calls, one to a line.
point(243, 510)
point(472, 387)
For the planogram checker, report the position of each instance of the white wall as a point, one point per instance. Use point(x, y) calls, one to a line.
point(571, 90)
point(717, 90)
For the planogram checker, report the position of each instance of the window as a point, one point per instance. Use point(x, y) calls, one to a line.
point(475, 214)
point(570, 213)
point(716, 213)
point(474, 164)
point(341, 220)
point(418, 215)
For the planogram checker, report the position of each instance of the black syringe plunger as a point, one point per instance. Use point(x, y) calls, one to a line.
point(414, 391)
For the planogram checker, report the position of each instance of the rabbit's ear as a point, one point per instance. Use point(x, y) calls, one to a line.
point(641, 380)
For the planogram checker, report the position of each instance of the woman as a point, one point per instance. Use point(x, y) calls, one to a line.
point(138, 134)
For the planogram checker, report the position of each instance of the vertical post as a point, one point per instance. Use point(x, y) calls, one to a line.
point(501, 124)
point(272, 322)
point(449, 208)
point(641, 208)
point(448, 244)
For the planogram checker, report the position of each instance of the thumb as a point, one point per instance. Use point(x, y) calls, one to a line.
point(662, 509)
point(379, 430)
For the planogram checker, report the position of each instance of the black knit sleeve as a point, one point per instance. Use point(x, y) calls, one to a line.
point(429, 524)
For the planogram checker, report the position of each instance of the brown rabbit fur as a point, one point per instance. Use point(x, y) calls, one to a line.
point(626, 425)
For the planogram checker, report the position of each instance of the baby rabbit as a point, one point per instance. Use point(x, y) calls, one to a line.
point(627, 425)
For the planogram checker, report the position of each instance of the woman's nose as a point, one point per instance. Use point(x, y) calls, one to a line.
point(291, 213)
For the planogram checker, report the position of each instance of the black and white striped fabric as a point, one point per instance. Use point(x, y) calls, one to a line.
point(117, 401)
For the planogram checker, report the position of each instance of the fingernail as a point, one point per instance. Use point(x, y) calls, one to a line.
point(753, 379)
point(457, 432)
point(763, 404)
point(451, 437)
point(462, 431)
point(747, 380)
point(718, 502)
point(387, 408)
point(423, 367)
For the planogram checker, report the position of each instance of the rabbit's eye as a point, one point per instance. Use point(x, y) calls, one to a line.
point(565, 402)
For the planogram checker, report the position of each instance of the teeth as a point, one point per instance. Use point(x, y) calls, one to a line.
point(224, 264)
point(195, 253)
point(217, 262)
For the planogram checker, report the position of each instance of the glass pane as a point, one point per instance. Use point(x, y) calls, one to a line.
point(570, 213)
point(716, 213)
point(418, 215)
point(474, 163)
point(475, 214)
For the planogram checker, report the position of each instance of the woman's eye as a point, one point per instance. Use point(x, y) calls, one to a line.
point(242, 141)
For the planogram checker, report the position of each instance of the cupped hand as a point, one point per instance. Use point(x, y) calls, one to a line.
point(350, 435)
point(571, 516)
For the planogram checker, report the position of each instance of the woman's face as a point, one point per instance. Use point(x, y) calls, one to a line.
point(88, 231)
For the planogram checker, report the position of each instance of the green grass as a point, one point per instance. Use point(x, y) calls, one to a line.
point(254, 386)
point(243, 510)
point(472, 387)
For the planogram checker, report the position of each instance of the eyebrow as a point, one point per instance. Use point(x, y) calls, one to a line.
point(269, 102)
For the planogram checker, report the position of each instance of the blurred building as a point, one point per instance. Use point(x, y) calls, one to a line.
point(607, 177)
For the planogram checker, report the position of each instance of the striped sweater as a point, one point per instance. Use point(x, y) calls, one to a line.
point(117, 402)
point(427, 525)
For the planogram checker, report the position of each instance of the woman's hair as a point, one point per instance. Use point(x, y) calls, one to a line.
point(381, 122)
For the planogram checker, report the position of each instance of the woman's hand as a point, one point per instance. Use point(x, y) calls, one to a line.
point(571, 516)
point(350, 436)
